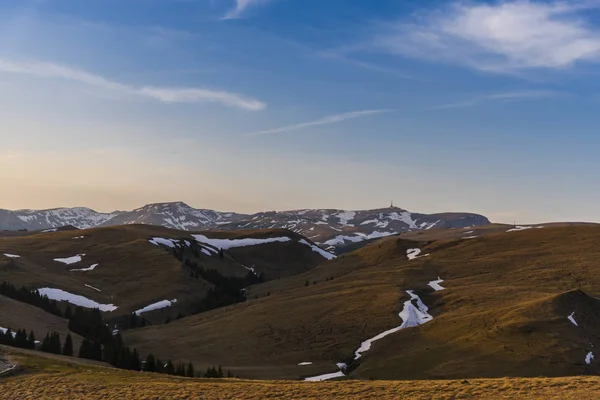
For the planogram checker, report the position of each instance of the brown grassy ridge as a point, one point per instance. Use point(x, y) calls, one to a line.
point(503, 312)
point(17, 315)
point(133, 273)
point(54, 377)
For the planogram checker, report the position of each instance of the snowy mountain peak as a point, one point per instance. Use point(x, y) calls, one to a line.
point(327, 226)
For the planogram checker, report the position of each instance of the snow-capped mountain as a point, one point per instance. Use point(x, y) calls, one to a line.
point(79, 217)
point(331, 228)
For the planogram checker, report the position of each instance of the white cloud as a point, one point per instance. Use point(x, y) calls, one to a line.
point(331, 119)
point(241, 6)
point(164, 94)
point(500, 37)
point(503, 96)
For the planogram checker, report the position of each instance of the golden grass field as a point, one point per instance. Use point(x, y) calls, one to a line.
point(503, 313)
point(50, 377)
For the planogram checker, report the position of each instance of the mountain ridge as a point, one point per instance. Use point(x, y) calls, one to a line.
point(333, 228)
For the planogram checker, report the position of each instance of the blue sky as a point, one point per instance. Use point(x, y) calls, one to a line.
point(251, 105)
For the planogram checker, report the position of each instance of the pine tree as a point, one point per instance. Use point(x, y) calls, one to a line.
point(180, 370)
point(221, 254)
point(220, 372)
point(68, 313)
point(31, 340)
point(134, 361)
point(84, 349)
point(170, 368)
point(160, 366)
point(150, 364)
point(190, 370)
point(229, 374)
point(45, 347)
point(68, 347)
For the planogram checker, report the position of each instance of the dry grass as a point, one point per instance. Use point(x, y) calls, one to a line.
point(51, 378)
point(503, 313)
point(17, 315)
point(133, 273)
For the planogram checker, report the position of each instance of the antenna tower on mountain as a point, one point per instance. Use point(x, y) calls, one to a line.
point(392, 204)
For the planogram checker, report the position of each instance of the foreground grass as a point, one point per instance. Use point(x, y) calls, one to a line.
point(52, 378)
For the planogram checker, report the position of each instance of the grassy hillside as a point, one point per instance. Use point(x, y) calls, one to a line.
point(17, 315)
point(132, 273)
point(503, 312)
point(51, 377)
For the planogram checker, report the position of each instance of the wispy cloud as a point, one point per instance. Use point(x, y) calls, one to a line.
point(164, 94)
point(331, 119)
point(502, 97)
point(500, 37)
point(242, 6)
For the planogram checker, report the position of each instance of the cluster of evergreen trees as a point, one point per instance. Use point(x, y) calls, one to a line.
point(18, 338)
point(32, 297)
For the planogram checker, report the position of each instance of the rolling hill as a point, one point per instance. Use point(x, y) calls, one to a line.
point(503, 311)
point(124, 269)
point(43, 376)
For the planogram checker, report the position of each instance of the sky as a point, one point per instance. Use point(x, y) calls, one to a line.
point(252, 105)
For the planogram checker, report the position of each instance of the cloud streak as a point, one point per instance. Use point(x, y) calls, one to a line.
point(47, 70)
point(502, 97)
point(502, 37)
point(242, 6)
point(331, 119)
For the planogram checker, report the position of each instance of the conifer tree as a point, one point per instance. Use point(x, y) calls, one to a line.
point(150, 364)
point(190, 370)
point(31, 340)
point(68, 347)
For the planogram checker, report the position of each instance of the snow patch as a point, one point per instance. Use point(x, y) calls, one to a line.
point(157, 241)
point(156, 306)
point(4, 330)
point(589, 357)
point(411, 316)
point(572, 318)
point(317, 249)
point(325, 377)
point(49, 230)
point(226, 244)
point(70, 260)
point(305, 363)
point(78, 237)
point(95, 288)
point(435, 285)
point(519, 228)
point(413, 254)
point(90, 268)
point(345, 217)
point(11, 255)
point(470, 237)
point(61, 295)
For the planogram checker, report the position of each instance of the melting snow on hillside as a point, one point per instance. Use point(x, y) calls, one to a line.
point(435, 285)
point(226, 244)
point(412, 254)
point(70, 260)
point(414, 313)
point(572, 318)
point(589, 357)
point(90, 268)
point(305, 363)
point(519, 228)
point(95, 288)
point(319, 250)
point(325, 377)
point(358, 237)
point(61, 295)
point(11, 255)
point(78, 237)
point(156, 306)
point(172, 243)
point(4, 330)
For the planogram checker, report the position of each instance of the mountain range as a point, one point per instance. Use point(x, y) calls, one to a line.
point(330, 228)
